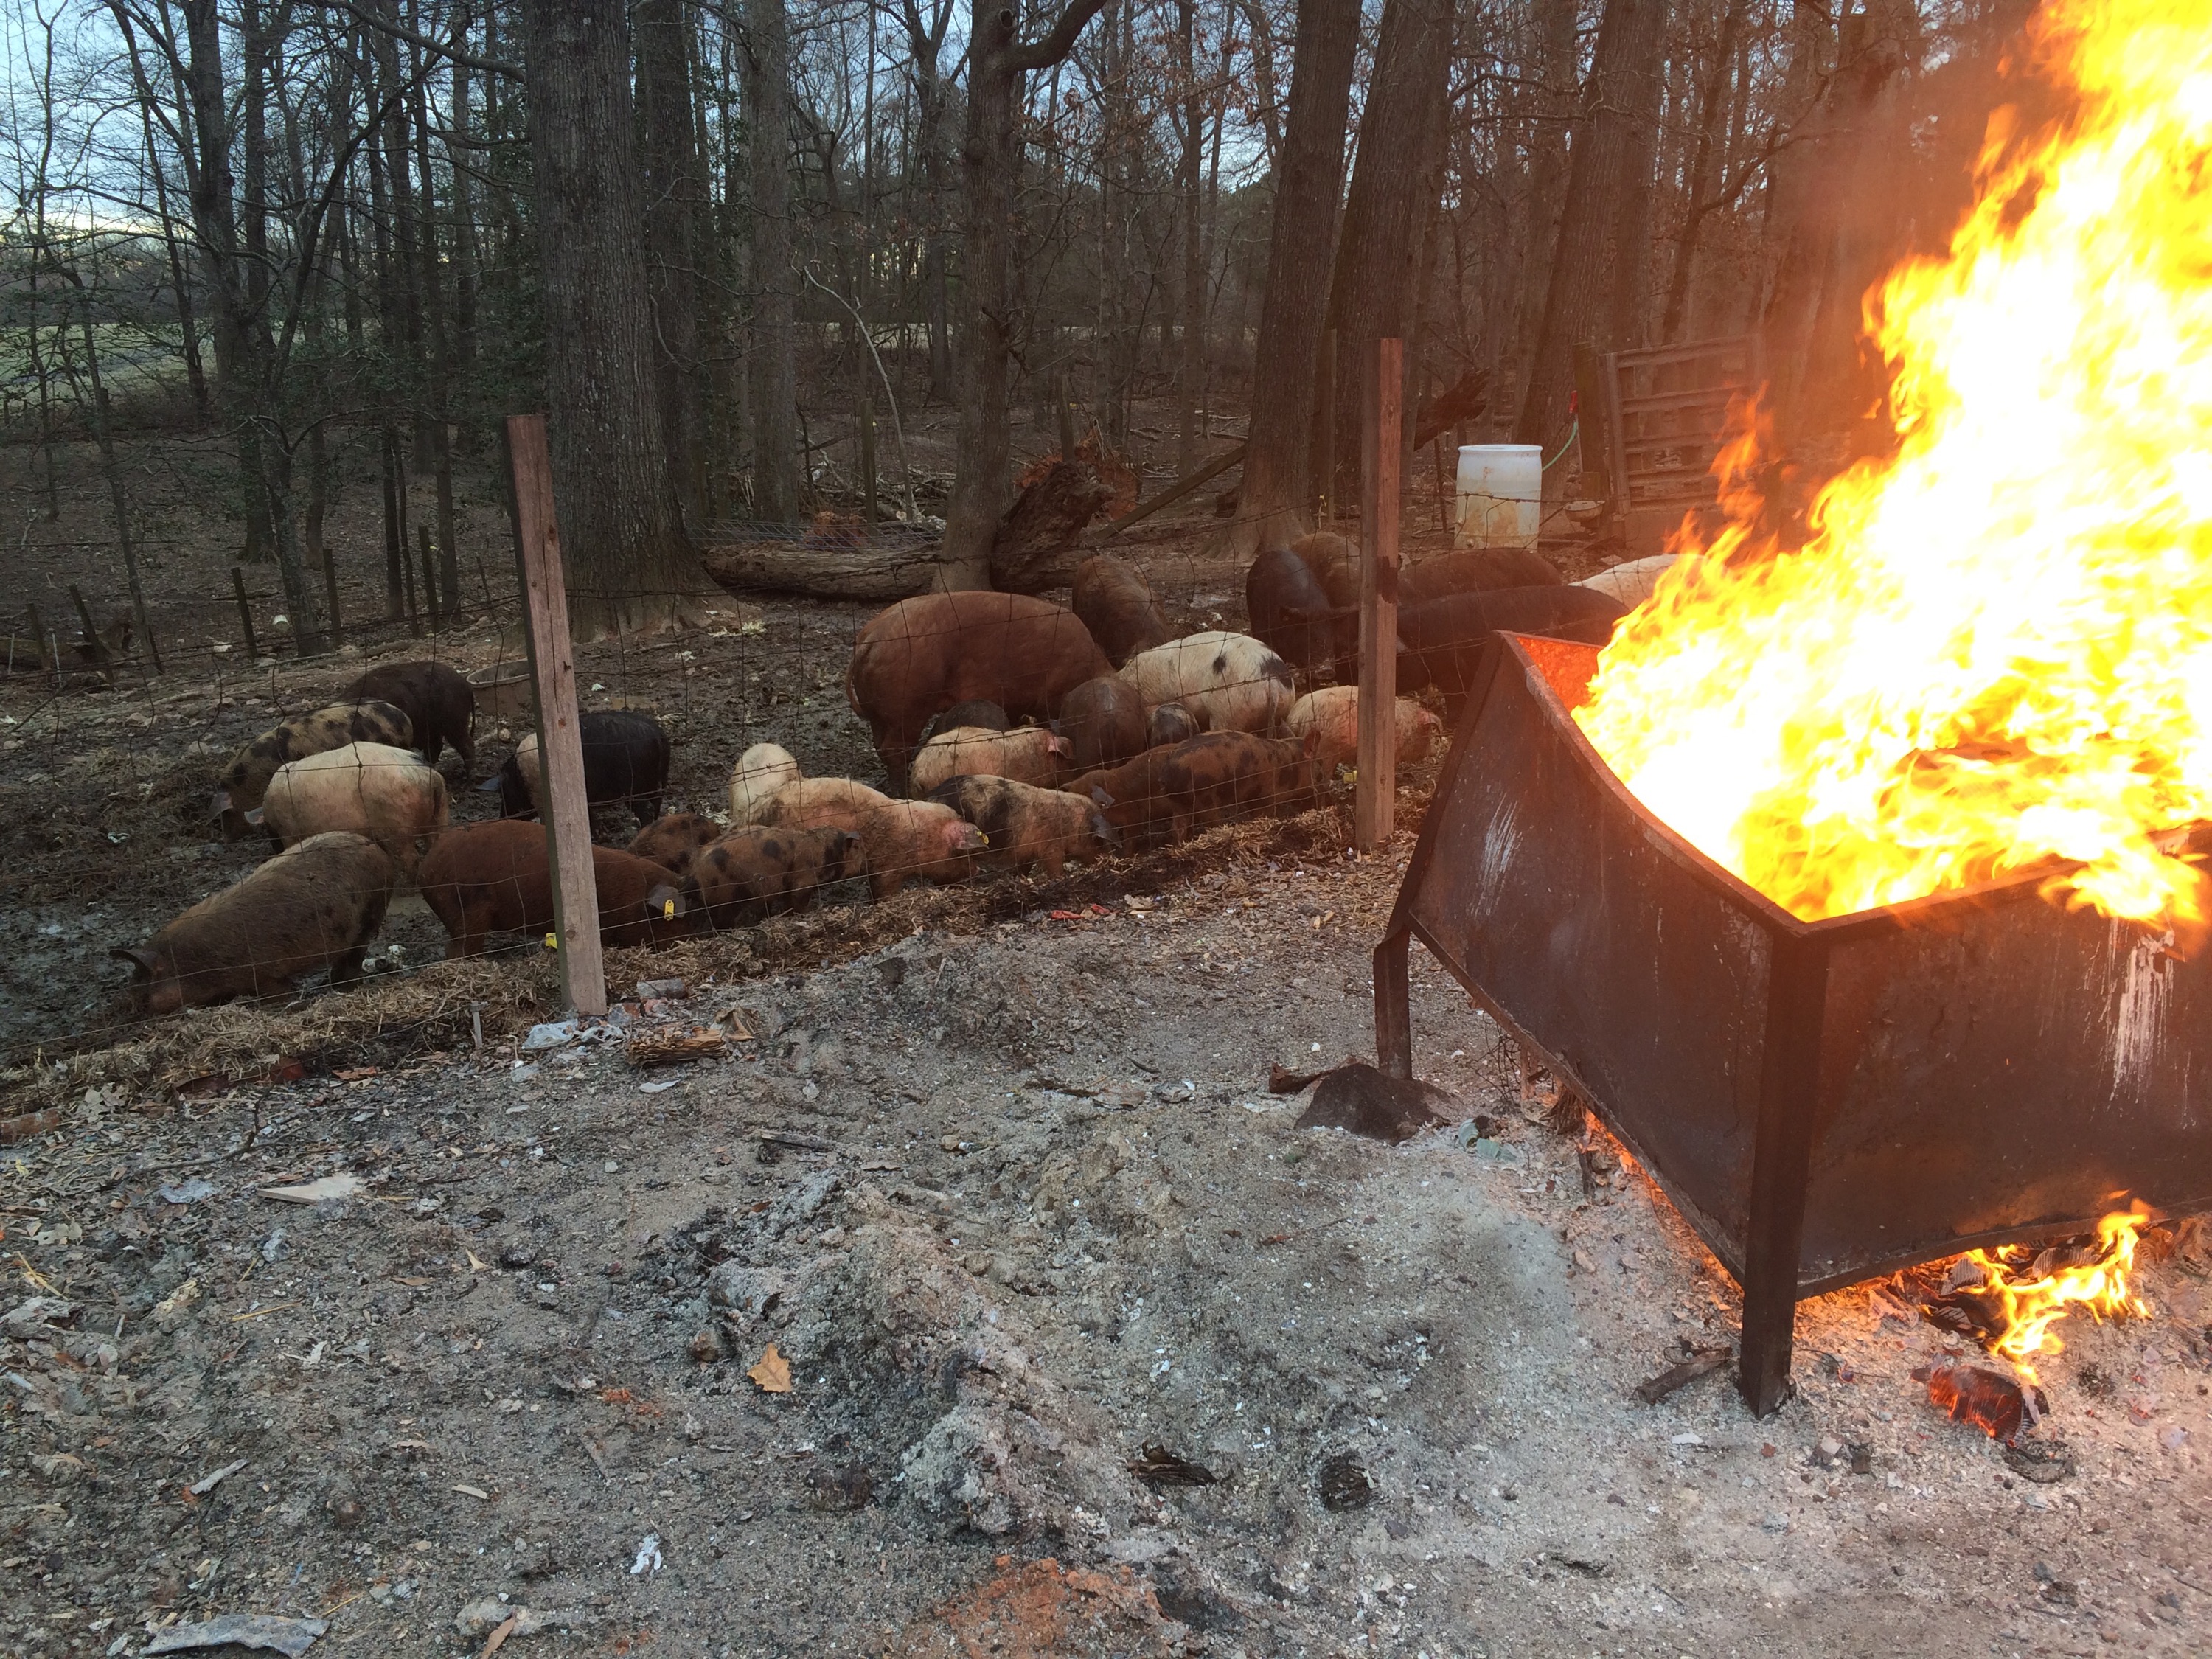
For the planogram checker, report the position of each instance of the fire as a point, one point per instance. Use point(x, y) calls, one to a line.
point(1995, 648)
point(2030, 1304)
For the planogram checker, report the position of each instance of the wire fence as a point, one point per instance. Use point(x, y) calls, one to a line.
point(790, 753)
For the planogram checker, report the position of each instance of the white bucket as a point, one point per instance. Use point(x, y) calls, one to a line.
point(1501, 495)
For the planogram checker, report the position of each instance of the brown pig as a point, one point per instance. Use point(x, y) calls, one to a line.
point(1334, 562)
point(370, 788)
point(1028, 754)
point(494, 877)
point(899, 838)
point(673, 841)
point(1115, 604)
point(1104, 723)
point(1332, 714)
point(1169, 723)
point(1028, 826)
point(315, 905)
point(756, 871)
point(244, 783)
point(1165, 794)
point(928, 653)
point(438, 702)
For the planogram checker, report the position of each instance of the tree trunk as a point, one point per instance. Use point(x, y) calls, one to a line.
point(1632, 236)
point(664, 126)
point(1716, 90)
point(628, 565)
point(1552, 105)
point(1375, 291)
point(990, 159)
point(1191, 355)
point(1278, 462)
point(1579, 295)
point(1036, 545)
point(774, 347)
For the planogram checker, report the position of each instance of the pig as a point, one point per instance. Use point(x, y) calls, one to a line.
point(1290, 612)
point(1030, 826)
point(625, 763)
point(372, 789)
point(1113, 601)
point(1104, 723)
point(1441, 642)
point(988, 715)
point(1165, 793)
point(760, 771)
point(926, 653)
point(1334, 714)
point(1029, 754)
point(1634, 582)
point(317, 904)
point(674, 842)
point(438, 702)
point(245, 782)
point(1229, 682)
point(1334, 562)
point(898, 838)
point(1475, 570)
point(496, 877)
point(1169, 723)
point(757, 872)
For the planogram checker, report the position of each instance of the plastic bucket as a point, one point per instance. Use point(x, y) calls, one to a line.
point(1501, 495)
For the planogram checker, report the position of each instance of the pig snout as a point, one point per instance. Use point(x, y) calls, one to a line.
point(962, 837)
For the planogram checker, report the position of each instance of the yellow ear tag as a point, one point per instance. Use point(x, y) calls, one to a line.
point(668, 909)
point(552, 942)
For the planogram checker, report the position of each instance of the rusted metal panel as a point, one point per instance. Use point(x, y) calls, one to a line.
point(1823, 1101)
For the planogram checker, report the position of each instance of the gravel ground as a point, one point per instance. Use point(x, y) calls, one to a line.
point(1013, 1208)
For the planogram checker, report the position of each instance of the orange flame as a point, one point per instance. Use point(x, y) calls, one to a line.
point(1996, 649)
point(2032, 1305)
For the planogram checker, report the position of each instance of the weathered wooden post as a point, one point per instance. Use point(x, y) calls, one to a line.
point(1381, 448)
point(560, 737)
point(245, 610)
point(1067, 412)
point(330, 596)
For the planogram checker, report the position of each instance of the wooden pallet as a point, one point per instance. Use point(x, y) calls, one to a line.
point(1664, 418)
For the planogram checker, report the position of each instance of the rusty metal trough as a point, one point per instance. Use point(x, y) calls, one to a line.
point(1824, 1101)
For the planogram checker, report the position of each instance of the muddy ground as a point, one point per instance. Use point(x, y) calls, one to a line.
point(1013, 1207)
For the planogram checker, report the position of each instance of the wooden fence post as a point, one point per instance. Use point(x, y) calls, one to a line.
point(245, 612)
point(560, 737)
point(1381, 448)
point(330, 595)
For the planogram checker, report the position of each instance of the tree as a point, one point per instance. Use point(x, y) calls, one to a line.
point(1301, 247)
point(990, 159)
point(774, 362)
point(630, 566)
point(1579, 299)
point(674, 190)
point(1376, 289)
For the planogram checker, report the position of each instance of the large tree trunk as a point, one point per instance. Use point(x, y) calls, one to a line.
point(628, 564)
point(1277, 459)
point(990, 159)
point(1579, 296)
point(1554, 102)
point(1190, 360)
point(1715, 85)
point(1375, 291)
point(774, 347)
point(672, 188)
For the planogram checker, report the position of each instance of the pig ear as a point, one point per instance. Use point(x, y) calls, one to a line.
point(221, 804)
point(254, 817)
point(1099, 793)
point(1056, 745)
point(137, 955)
point(491, 785)
point(663, 903)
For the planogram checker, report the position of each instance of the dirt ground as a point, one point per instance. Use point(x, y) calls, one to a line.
point(996, 1174)
point(1013, 1207)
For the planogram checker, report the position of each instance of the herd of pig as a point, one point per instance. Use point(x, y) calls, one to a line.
point(1017, 732)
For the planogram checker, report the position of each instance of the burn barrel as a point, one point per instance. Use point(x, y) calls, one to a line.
point(1824, 1101)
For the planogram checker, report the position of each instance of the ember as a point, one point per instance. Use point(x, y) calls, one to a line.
point(1989, 1400)
point(1994, 651)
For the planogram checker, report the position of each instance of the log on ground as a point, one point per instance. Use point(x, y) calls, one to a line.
point(883, 568)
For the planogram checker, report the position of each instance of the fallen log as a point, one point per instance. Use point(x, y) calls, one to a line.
point(885, 568)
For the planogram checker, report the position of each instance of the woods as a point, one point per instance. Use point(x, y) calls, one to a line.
point(720, 243)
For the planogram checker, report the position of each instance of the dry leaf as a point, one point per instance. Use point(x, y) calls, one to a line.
point(316, 1192)
point(505, 1629)
point(772, 1373)
point(472, 1492)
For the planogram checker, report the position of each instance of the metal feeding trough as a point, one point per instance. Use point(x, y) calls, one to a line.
point(1824, 1101)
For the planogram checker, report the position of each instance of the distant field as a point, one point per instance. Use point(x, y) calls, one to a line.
point(134, 361)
